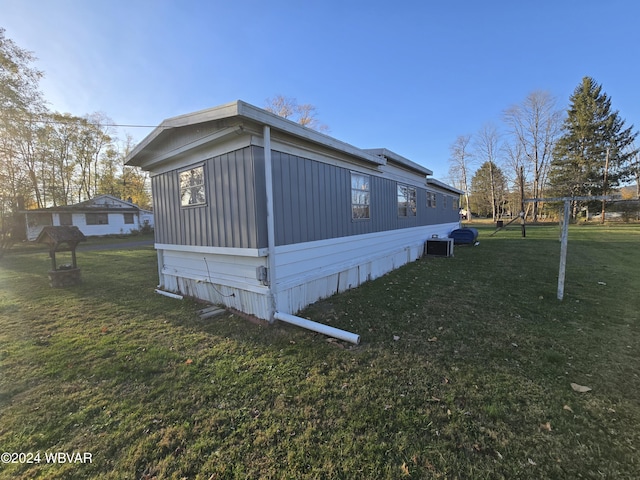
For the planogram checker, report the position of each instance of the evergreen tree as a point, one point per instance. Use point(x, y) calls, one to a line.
point(595, 150)
point(489, 191)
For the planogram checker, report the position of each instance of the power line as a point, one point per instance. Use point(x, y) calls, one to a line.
point(75, 119)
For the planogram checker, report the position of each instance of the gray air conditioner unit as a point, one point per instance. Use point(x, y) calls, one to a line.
point(439, 247)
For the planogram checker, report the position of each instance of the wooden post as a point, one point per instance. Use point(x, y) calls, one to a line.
point(522, 211)
point(564, 240)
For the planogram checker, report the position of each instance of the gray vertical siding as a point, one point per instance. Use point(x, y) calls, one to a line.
point(233, 215)
point(312, 201)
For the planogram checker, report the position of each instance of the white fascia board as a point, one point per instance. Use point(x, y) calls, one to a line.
point(399, 159)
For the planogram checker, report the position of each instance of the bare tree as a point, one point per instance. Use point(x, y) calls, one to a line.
point(459, 163)
point(307, 118)
point(535, 125)
point(304, 114)
point(282, 106)
point(487, 147)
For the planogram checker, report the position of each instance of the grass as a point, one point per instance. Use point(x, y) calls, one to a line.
point(464, 371)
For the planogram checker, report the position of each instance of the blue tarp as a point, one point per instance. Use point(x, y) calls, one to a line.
point(463, 236)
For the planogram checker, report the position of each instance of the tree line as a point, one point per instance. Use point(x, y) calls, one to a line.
point(49, 158)
point(542, 151)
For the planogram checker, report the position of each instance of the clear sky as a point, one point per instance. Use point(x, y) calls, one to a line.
point(409, 76)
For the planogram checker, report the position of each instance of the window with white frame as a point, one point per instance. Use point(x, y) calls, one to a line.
point(360, 196)
point(431, 200)
point(406, 201)
point(192, 188)
point(66, 219)
point(96, 218)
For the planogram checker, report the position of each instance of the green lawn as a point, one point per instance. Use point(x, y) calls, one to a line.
point(464, 371)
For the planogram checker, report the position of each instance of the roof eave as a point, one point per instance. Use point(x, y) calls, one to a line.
point(437, 183)
point(399, 159)
point(247, 112)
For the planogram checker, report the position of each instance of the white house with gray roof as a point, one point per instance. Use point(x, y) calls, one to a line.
point(101, 215)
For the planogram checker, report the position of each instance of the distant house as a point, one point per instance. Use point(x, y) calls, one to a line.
point(258, 213)
point(101, 215)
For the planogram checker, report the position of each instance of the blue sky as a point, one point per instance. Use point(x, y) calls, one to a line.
point(409, 76)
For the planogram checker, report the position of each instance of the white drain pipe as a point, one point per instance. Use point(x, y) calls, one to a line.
point(318, 327)
point(168, 294)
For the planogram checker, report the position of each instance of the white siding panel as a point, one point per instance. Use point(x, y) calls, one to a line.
point(230, 279)
point(306, 272)
point(254, 303)
point(231, 270)
point(314, 270)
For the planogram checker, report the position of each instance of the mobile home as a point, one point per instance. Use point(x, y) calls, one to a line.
point(263, 215)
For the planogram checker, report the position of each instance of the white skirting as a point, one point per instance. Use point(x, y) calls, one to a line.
point(306, 272)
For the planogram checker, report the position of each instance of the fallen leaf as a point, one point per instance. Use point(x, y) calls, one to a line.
point(432, 339)
point(396, 338)
point(602, 283)
point(580, 388)
point(545, 426)
point(405, 469)
point(188, 361)
point(104, 330)
point(531, 462)
point(567, 408)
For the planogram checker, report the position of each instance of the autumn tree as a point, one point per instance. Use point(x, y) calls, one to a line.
point(20, 98)
point(459, 167)
point(595, 151)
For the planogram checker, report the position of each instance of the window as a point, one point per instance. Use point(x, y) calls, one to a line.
point(192, 190)
point(360, 196)
point(66, 219)
point(39, 219)
point(97, 218)
point(128, 218)
point(444, 201)
point(454, 203)
point(406, 201)
point(431, 199)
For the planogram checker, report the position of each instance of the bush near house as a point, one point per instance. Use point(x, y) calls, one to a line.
point(465, 371)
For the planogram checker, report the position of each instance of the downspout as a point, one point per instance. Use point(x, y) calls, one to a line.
point(271, 229)
point(319, 327)
point(274, 314)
